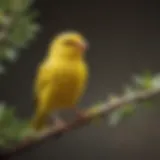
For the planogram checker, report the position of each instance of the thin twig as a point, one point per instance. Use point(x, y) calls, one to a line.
point(89, 115)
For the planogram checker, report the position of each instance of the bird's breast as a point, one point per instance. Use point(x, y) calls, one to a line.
point(69, 81)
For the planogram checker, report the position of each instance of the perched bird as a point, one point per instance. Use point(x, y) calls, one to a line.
point(61, 78)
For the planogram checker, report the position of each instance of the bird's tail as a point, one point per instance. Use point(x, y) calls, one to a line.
point(39, 119)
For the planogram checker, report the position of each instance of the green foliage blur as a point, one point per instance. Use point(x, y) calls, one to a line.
point(18, 28)
point(143, 82)
point(12, 129)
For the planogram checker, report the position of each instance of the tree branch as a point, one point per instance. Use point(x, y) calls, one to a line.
point(89, 115)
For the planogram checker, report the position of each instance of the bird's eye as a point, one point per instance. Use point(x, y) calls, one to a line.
point(69, 43)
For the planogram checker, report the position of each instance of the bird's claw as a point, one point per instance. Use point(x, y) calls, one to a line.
point(61, 124)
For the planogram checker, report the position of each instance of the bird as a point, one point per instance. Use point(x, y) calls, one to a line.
point(61, 78)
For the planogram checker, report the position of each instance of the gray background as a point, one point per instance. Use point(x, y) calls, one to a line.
point(124, 40)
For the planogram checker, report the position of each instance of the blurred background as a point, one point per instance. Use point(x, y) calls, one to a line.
point(124, 39)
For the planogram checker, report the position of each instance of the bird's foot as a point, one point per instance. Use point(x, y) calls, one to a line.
point(60, 123)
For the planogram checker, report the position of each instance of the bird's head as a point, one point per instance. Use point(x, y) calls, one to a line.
point(69, 44)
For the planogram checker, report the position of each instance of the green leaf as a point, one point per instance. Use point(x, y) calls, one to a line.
point(19, 25)
point(128, 110)
point(7, 117)
point(15, 5)
point(121, 113)
point(144, 81)
point(129, 91)
point(147, 80)
point(5, 5)
point(156, 81)
point(3, 48)
point(11, 54)
point(23, 32)
point(114, 118)
point(26, 131)
point(20, 28)
point(12, 129)
point(3, 19)
point(20, 5)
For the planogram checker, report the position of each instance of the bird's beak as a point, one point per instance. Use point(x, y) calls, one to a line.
point(83, 46)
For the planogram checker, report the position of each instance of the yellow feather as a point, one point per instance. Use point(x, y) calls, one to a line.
point(61, 78)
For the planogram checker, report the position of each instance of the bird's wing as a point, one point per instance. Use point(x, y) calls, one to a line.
point(42, 79)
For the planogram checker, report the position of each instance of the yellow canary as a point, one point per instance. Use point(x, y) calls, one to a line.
point(61, 77)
